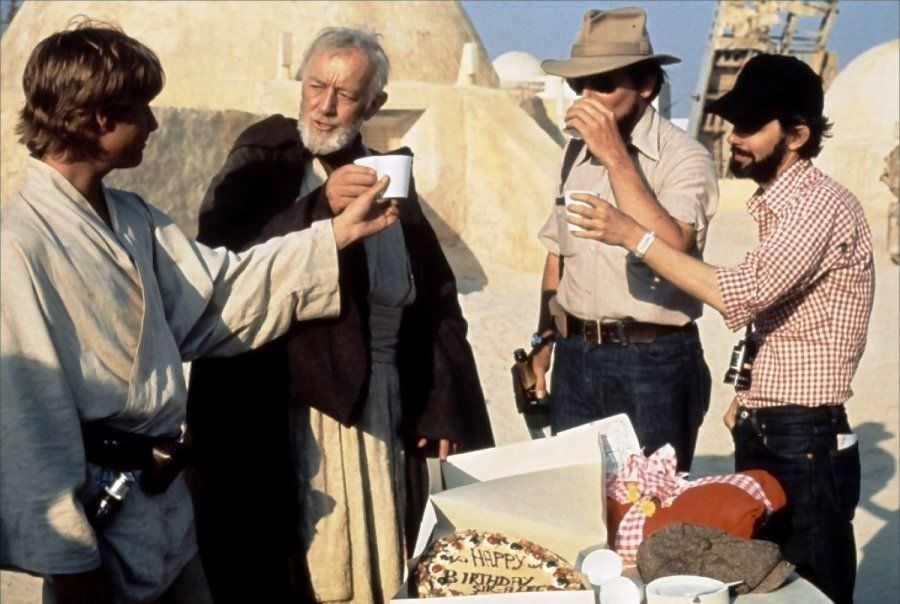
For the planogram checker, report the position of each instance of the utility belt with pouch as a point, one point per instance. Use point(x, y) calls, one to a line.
point(159, 458)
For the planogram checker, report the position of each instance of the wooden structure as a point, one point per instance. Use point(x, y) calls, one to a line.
point(744, 28)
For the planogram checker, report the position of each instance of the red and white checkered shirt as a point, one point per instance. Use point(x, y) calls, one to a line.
point(807, 287)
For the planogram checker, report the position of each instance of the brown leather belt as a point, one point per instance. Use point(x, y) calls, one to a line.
point(619, 332)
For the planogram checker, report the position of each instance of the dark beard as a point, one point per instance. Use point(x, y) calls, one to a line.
point(764, 170)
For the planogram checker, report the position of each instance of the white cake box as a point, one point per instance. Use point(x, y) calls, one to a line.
point(549, 491)
point(560, 509)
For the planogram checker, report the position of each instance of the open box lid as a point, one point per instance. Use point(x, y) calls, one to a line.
point(562, 509)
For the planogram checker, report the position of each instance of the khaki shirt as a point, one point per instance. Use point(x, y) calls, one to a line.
point(606, 283)
point(96, 323)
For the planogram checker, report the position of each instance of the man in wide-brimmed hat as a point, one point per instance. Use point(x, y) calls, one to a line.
point(626, 341)
point(807, 290)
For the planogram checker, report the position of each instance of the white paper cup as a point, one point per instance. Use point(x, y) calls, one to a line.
point(620, 590)
point(398, 167)
point(601, 565)
point(568, 130)
point(570, 201)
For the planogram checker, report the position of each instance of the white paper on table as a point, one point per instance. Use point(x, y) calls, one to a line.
point(559, 451)
point(617, 436)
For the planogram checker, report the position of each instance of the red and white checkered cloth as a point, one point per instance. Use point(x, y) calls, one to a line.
point(656, 477)
point(807, 287)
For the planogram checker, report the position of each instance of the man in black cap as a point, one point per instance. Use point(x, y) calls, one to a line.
point(626, 341)
point(807, 289)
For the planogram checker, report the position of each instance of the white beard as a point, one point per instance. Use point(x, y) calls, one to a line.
point(324, 144)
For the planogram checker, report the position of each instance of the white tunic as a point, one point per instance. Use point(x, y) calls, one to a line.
point(95, 326)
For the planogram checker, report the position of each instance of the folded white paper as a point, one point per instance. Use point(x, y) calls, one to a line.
point(566, 449)
point(563, 509)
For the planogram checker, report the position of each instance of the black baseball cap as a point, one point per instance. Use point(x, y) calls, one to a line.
point(768, 87)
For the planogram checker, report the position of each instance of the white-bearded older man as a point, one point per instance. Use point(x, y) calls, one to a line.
point(310, 451)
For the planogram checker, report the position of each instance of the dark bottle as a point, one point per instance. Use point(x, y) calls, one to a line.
point(109, 499)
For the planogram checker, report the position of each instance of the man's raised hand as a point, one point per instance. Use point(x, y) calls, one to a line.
point(603, 222)
point(365, 215)
point(599, 129)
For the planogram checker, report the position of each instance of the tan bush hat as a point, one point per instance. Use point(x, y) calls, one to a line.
point(608, 40)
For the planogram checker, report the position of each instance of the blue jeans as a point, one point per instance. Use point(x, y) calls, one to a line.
point(663, 386)
point(798, 446)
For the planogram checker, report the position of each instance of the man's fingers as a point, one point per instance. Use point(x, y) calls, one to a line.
point(443, 449)
point(730, 416)
point(591, 200)
point(587, 225)
point(596, 108)
point(351, 191)
point(362, 179)
point(540, 383)
point(594, 114)
point(375, 191)
point(352, 170)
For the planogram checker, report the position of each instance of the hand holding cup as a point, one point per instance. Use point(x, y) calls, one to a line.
point(346, 184)
point(366, 215)
point(599, 220)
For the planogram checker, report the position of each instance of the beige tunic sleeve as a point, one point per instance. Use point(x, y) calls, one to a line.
point(220, 303)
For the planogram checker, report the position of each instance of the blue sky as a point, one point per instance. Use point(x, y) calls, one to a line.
point(680, 28)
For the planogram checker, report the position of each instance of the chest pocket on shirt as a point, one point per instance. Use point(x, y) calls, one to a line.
point(643, 284)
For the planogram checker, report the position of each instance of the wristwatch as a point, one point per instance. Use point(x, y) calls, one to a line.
point(644, 244)
point(539, 339)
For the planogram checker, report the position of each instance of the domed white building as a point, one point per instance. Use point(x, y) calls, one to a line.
point(863, 102)
point(484, 169)
point(518, 66)
point(520, 70)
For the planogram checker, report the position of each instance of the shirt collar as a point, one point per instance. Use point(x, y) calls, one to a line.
point(42, 178)
point(777, 194)
point(43, 175)
point(644, 137)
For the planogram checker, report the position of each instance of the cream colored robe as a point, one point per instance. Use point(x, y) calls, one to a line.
point(353, 478)
point(95, 326)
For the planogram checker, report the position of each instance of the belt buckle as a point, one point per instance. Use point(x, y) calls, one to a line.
point(619, 338)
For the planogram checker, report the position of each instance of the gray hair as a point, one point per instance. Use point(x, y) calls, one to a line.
point(334, 38)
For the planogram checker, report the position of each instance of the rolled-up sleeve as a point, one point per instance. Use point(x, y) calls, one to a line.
point(793, 257)
point(689, 190)
point(549, 234)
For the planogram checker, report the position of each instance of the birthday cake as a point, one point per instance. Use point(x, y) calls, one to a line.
point(470, 562)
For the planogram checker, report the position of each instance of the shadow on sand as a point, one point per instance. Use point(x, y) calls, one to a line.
point(879, 555)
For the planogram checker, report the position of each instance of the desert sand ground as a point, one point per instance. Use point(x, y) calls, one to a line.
point(501, 308)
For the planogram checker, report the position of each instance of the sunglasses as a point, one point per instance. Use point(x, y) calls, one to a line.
point(602, 82)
